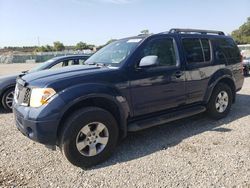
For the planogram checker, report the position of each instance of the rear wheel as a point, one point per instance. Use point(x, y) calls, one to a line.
point(89, 137)
point(7, 99)
point(220, 102)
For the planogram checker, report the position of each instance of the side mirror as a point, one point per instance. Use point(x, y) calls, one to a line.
point(149, 60)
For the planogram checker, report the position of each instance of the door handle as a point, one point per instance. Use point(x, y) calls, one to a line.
point(178, 74)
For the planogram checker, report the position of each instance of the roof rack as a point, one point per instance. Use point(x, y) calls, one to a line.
point(176, 30)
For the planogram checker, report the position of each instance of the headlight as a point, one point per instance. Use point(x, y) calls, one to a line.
point(41, 96)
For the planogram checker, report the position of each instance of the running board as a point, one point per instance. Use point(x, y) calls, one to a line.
point(164, 118)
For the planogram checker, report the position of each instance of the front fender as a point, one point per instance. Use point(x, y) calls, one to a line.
point(74, 95)
point(5, 86)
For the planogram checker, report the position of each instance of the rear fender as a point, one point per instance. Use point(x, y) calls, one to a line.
point(219, 76)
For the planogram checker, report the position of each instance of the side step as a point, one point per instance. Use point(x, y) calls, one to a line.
point(164, 118)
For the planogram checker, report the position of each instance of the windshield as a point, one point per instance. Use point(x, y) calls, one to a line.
point(115, 53)
point(42, 66)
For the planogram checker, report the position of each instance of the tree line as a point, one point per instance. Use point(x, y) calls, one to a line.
point(240, 35)
point(59, 46)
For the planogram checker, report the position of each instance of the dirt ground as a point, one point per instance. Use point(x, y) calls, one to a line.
point(194, 152)
point(15, 68)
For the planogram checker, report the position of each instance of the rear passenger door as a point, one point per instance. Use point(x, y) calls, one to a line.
point(158, 87)
point(198, 55)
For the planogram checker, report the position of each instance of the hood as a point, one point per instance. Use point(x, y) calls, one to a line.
point(51, 75)
point(8, 77)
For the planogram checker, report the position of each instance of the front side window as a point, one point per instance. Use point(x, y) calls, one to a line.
point(164, 49)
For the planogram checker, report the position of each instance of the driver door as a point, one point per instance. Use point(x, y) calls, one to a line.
point(162, 86)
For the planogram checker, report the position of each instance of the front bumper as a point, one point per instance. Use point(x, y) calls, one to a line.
point(39, 124)
point(44, 132)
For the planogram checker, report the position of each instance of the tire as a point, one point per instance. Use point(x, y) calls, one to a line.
point(7, 99)
point(218, 106)
point(246, 71)
point(75, 133)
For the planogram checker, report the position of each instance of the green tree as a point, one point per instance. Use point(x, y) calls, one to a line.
point(49, 48)
point(46, 48)
point(81, 46)
point(145, 32)
point(58, 46)
point(110, 41)
point(242, 35)
point(41, 49)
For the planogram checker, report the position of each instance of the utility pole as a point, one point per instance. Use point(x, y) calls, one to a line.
point(38, 41)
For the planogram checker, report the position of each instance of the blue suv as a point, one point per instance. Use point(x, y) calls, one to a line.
point(130, 85)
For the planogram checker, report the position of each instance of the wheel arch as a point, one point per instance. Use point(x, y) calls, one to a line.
point(5, 89)
point(226, 79)
point(119, 110)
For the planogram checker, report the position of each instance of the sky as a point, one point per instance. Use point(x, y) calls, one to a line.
point(33, 22)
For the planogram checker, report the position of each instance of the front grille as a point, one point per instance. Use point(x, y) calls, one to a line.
point(22, 94)
point(26, 98)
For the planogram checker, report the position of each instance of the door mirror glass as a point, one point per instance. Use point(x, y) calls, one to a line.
point(150, 60)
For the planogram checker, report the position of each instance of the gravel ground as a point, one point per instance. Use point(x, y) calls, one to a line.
point(194, 152)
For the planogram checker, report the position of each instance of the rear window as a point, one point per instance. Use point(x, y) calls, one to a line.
point(227, 51)
point(197, 50)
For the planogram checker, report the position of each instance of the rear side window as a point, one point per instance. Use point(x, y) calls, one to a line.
point(227, 51)
point(163, 48)
point(197, 50)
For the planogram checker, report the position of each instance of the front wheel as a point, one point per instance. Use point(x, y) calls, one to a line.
point(7, 99)
point(220, 102)
point(89, 137)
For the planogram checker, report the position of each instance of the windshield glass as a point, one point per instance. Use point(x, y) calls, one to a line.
point(42, 66)
point(115, 53)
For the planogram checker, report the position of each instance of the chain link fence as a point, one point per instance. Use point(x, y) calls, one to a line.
point(37, 57)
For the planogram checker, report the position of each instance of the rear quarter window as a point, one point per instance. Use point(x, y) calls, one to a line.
point(227, 51)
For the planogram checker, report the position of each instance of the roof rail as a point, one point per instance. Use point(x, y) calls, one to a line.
point(177, 30)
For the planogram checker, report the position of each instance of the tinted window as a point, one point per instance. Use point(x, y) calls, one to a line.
point(73, 62)
point(193, 50)
point(206, 49)
point(66, 63)
point(227, 51)
point(164, 49)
